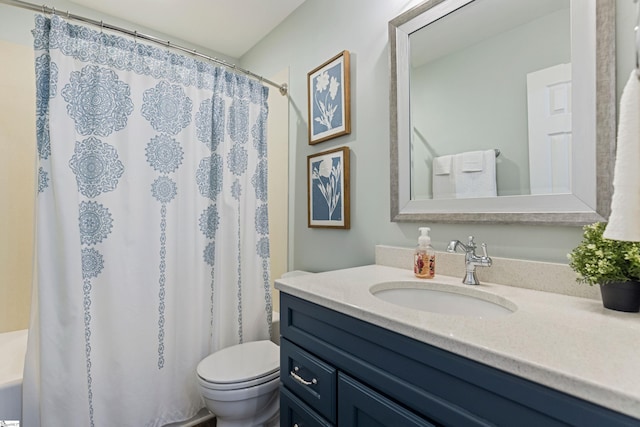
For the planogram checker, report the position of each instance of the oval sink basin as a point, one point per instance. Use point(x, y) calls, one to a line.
point(443, 299)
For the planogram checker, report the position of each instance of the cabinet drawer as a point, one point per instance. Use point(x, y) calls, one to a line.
point(309, 378)
point(361, 406)
point(294, 413)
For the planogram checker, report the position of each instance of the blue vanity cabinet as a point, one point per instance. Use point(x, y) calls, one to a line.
point(294, 412)
point(360, 406)
point(353, 373)
point(309, 378)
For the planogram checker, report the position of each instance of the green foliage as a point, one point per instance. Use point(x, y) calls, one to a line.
point(598, 260)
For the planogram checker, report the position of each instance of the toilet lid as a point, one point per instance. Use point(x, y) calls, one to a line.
point(241, 363)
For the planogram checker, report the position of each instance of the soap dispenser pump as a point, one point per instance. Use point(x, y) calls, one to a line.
point(424, 258)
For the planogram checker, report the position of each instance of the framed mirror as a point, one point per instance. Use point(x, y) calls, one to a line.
point(503, 111)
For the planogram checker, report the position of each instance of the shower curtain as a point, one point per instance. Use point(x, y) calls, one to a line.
point(151, 227)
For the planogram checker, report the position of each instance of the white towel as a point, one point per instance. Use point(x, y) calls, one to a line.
point(473, 161)
point(442, 184)
point(442, 165)
point(624, 221)
point(475, 183)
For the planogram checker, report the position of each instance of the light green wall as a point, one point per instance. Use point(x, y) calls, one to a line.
point(317, 31)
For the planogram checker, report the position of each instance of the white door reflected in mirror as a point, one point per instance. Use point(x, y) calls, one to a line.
point(550, 137)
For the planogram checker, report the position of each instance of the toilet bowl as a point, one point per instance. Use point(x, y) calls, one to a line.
point(239, 384)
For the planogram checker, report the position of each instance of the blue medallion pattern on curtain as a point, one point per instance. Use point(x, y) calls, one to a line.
point(43, 179)
point(96, 167)
point(168, 109)
point(209, 179)
point(152, 227)
point(46, 88)
point(97, 170)
point(95, 223)
point(98, 101)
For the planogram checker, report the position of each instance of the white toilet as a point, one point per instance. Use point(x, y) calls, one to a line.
point(240, 384)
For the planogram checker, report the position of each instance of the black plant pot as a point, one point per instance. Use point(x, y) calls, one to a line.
point(621, 296)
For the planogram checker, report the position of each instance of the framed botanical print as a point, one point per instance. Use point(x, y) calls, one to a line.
point(329, 99)
point(328, 189)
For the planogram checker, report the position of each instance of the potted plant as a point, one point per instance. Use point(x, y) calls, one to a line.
point(612, 264)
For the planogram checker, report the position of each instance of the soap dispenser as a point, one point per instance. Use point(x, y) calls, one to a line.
point(424, 258)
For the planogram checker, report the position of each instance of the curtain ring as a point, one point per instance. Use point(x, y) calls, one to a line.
point(54, 10)
point(101, 26)
point(135, 36)
point(44, 11)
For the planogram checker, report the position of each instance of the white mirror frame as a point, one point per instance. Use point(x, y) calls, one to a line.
point(594, 122)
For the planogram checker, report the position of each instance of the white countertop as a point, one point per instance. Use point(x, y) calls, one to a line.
point(568, 343)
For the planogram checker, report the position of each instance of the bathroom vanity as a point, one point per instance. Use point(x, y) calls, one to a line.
point(349, 358)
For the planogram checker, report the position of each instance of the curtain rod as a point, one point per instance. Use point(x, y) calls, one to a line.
point(46, 9)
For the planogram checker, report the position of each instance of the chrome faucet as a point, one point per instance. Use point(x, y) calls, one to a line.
point(471, 260)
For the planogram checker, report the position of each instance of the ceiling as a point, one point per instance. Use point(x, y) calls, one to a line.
point(229, 27)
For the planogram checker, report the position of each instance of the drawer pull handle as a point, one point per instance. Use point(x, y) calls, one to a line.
point(300, 379)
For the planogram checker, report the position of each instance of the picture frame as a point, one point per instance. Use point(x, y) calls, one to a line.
point(328, 189)
point(329, 99)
